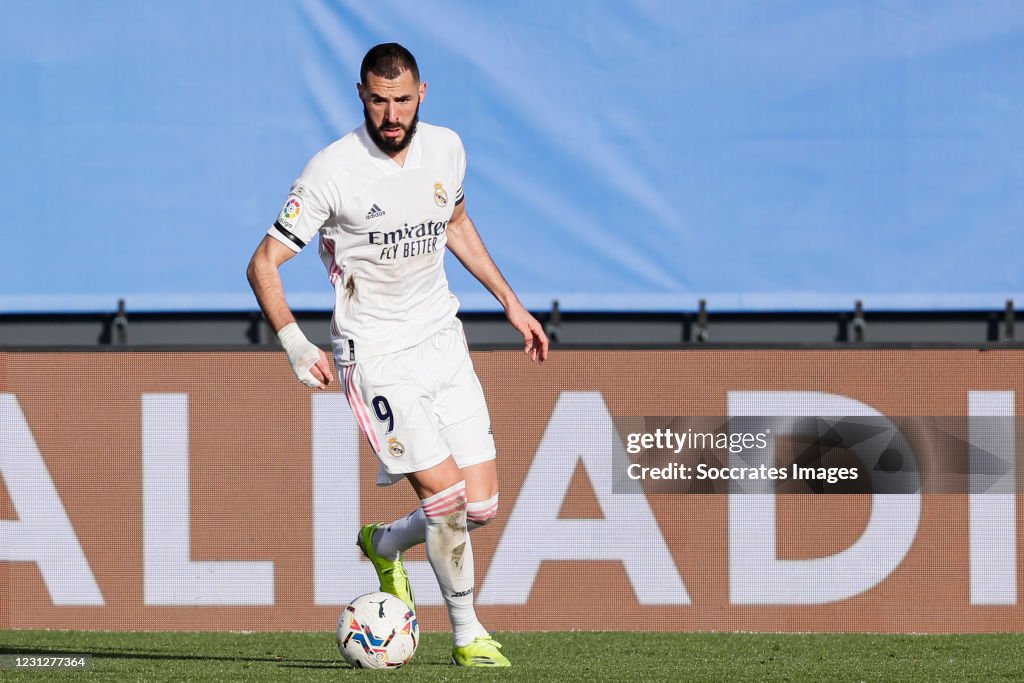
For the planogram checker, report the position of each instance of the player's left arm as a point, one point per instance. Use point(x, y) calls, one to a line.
point(464, 241)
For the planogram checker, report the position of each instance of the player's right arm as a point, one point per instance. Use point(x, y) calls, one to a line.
point(309, 362)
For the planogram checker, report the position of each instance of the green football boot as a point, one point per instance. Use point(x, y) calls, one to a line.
point(484, 651)
point(390, 572)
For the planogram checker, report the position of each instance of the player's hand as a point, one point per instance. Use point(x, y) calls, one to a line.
point(321, 371)
point(309, 362)
point(535, 342)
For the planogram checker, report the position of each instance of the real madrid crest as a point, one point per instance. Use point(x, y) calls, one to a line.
point(395, 447)
point(440, 196)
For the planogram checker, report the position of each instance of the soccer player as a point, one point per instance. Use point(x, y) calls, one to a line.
point(386, 200)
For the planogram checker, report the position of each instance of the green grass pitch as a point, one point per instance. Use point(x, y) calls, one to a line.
point(537, 657)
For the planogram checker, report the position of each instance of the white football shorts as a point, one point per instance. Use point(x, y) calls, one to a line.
point(419, 405)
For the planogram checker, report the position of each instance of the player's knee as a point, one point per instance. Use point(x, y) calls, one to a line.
point(480, 513)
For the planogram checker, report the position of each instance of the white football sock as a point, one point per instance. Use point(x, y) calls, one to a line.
point(451, 558)
point(480, 512)
point(395, 538)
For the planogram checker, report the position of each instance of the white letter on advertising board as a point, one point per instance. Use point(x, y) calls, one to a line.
point(171, 577)
point(756, 574)
point(581, 428)
point(42, 533)
point(340, 571)
point(993, 497)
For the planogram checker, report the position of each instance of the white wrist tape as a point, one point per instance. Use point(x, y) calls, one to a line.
point(302, 354)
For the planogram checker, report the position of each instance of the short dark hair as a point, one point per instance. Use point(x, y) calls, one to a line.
point(388, 60)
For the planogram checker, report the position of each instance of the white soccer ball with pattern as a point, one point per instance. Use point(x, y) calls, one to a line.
point(377, 631)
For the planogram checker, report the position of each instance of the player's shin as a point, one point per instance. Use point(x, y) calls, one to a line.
point(451, 557)
point(403, 533)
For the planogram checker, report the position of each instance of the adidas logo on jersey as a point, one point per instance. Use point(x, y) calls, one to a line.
point(375, 212)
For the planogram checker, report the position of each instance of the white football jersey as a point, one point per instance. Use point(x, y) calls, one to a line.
point(383, 231)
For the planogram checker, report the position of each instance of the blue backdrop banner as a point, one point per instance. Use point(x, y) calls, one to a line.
point(623, 155)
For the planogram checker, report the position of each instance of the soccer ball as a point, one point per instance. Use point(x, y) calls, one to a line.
point(377, 631)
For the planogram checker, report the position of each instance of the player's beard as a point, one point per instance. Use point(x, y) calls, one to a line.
point(392, 145)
